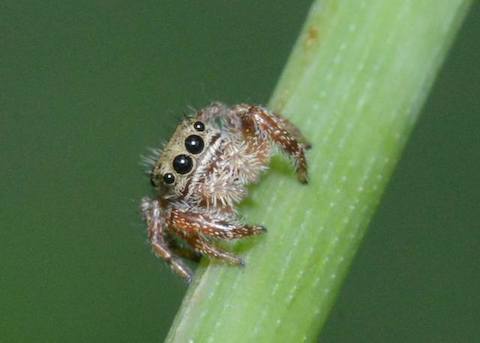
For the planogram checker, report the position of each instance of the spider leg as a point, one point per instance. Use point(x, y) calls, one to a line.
point(222, 231)
point(163, 250)
point(293, 130)
point(181, 250)
point(257, 123)
point(161, 247)
point(222, 227)
point(213, 111)
point(205, 247)
point(196, 228)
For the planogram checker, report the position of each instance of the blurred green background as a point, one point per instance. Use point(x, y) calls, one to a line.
point(87, 86)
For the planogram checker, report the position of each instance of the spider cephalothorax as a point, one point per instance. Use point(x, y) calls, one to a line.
point(202, 173)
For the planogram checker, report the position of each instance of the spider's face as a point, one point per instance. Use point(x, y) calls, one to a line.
point(182, 156)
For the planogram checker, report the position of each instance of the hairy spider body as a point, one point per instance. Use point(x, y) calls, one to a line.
point(202, 174)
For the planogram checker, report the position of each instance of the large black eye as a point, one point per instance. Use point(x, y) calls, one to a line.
point(182, 164)
point(194, 144)
point(199, 126)
point(168, 178)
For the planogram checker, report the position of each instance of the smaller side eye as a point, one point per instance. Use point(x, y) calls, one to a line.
point(194, 144)
point(199, 126)
point(168, 178)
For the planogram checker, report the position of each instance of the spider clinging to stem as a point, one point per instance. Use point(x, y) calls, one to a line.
point(202, 174)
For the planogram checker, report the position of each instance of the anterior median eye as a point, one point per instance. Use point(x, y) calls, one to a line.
point(194, 144)
point(182, 164)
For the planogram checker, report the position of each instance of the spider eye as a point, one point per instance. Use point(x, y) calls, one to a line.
point(168, 178)
point(194, 144)
point(182, 164)
point(199, 126)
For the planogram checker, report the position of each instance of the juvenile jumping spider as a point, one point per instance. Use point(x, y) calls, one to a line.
point(202, 173)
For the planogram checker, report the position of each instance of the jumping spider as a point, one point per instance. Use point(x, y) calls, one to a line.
point(202, 173)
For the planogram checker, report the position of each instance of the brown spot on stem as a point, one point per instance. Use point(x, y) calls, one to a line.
point(312, 37)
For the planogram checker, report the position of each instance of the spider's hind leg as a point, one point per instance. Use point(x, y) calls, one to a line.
point(293, 130)
point(258, 123)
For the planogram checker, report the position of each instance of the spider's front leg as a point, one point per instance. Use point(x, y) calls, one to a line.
point(199, 228)
point(156, 235)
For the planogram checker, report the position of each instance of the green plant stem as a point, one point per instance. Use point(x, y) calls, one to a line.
point(355, 83)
